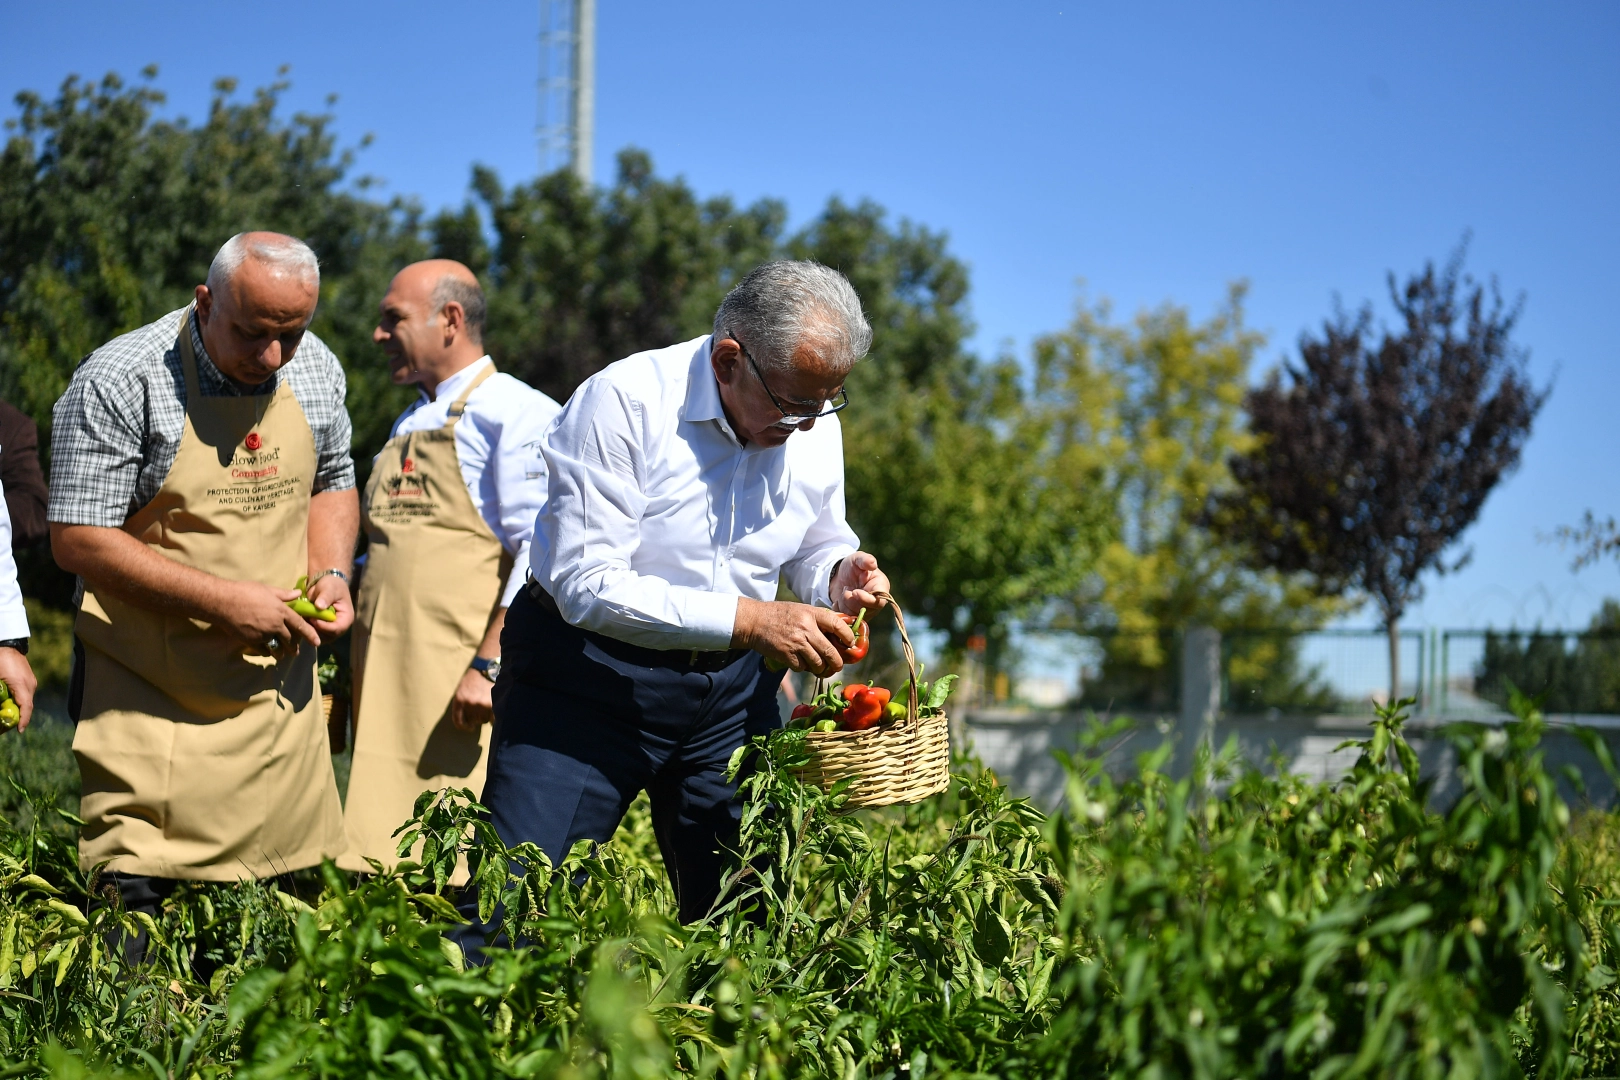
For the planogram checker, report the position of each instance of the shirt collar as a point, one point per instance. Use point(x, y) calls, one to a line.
point(703, 393)
point(457, 382)
point(214, 382)
point(702, 390)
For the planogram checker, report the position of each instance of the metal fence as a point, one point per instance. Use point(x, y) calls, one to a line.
point(1457, 673)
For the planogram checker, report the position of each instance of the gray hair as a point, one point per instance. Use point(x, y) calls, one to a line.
point(780, 306)
point(471, 299)
point(272, 249)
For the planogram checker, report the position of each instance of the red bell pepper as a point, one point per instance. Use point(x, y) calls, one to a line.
point(863, 638)
point(802, 711)
point(865, 706)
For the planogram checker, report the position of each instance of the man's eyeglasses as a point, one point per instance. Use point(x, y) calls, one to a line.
point(792, 418)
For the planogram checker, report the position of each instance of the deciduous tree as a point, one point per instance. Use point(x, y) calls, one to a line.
point(1376, 449)
point(1151, 412)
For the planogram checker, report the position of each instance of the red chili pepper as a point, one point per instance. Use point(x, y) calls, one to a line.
point(802, 711)
point(865, 707)
point(863, 638)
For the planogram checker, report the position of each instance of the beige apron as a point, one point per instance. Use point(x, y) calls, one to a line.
point(433, 576)
point(203, 758)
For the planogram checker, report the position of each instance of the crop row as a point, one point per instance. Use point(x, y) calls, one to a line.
point(1284, 928)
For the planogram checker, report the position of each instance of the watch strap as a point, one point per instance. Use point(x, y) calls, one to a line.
point(18, 643)
point(333, 572)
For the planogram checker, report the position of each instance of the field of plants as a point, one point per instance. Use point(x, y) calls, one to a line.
point(1284, 928)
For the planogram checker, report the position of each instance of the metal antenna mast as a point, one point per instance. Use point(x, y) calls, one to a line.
point(567, 85)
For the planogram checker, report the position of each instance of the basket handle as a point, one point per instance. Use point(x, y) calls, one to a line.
point(912, 704)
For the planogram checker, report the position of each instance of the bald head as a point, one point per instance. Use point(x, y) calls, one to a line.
point(257, 303)
point(431, 322)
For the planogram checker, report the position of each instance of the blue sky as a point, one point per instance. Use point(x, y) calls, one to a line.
point(1156, 151)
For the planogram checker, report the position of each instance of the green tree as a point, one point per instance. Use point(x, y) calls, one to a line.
point(1582, 676)
point(109, 217)
point(1153, 410)
point(580, 277)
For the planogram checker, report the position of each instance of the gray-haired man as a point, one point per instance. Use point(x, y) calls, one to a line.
point(200, 466)
point(684, 483)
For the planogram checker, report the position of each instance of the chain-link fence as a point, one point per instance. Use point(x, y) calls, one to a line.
point(1457, 673)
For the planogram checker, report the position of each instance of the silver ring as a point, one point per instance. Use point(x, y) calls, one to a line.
point(272, 644)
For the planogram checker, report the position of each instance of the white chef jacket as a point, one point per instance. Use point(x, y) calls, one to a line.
point(13, 617)
point(658, 518)
point(498, 447)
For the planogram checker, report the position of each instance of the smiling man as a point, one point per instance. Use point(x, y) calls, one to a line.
point(448, 513)
point(200, 466)
point(685, 483)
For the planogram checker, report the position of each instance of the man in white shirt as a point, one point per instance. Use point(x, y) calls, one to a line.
point(684, 483)
point(14, 667)
point(448, 513)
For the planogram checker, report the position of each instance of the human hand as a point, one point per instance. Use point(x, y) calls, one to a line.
point(332, 591)
point(802, 637)
point(20, 681)
point(472, 707)
point(856, 582)
point(255, 613)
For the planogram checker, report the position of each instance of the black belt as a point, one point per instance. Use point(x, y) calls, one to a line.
point(675, 659)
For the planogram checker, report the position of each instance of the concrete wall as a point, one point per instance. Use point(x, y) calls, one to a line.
point(1019, 744)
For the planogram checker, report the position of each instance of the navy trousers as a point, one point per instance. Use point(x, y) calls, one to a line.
point(581, 728)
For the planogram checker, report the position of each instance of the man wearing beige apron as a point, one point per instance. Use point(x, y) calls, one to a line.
point(200, 466)
point(448, 513)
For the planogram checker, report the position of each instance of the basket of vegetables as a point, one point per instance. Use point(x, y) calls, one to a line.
point(890, 751)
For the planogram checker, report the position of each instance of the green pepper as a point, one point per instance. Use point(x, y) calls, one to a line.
point(10, 714)
point(894, 711)
point(303, 606)
point(826, 725)
point(5, 691)
point(327, 614)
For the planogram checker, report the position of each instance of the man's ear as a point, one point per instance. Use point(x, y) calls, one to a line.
point(205, 303)
point(726, 359)
point(455, 320)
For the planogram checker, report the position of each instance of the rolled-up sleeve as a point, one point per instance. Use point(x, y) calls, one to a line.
point(597, 461)
point(97, 448)
point(334, 461)
point(828, 539)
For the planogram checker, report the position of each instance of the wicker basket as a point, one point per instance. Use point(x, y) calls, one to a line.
point(904, 762)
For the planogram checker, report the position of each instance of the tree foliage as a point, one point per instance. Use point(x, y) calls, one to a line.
point(110, 214)
point(1150, 413)
point(1582, 676)
point(1376, 450)
point(1593, 539)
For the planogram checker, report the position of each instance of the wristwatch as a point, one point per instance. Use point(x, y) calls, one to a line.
point(489, 669)
point(21, 645)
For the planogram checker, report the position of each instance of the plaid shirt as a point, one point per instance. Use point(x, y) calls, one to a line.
point(117, 429)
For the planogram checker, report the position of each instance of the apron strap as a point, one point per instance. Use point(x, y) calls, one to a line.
point(459, 406)
point(188, 355)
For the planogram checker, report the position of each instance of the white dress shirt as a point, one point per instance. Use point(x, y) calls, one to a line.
point(658, 518)
point(13, 616)
point(498, 446)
